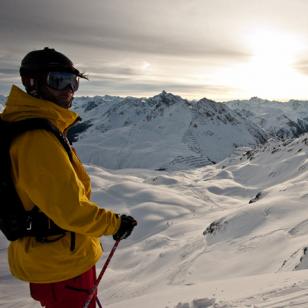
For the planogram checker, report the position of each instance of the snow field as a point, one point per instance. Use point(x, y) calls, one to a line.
point(199, 241)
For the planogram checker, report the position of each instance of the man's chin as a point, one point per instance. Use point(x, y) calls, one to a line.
point(65, 103)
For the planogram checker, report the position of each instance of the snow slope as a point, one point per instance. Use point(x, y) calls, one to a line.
point(243, 242)
point(204, 239)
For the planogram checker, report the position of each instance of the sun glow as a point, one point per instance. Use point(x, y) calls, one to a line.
point(269, 72)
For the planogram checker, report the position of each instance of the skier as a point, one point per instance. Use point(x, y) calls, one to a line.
point(58, 262)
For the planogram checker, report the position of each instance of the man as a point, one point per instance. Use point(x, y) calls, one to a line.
point(60, 265)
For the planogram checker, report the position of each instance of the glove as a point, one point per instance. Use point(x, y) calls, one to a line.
point(128, 223)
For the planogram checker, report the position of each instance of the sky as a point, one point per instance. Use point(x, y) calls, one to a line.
point(222, 49)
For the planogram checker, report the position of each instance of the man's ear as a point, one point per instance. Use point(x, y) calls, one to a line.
point(31, 85)
point(27, 81)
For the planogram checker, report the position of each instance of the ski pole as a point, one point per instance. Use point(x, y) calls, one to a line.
point(93, 290)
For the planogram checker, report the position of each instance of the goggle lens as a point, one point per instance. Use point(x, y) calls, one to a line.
point(62, 80)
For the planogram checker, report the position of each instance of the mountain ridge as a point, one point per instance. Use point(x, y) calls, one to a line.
point(183, 134)
point(196, 133)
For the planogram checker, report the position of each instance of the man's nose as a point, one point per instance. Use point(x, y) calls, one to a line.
point(69, 88)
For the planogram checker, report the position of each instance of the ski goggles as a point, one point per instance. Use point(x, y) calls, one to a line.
point(62, 80)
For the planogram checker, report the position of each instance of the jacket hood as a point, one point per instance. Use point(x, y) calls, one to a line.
point(20, 106)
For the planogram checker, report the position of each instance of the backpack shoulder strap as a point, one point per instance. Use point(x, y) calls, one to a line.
point(9, 131)
point(15, 129)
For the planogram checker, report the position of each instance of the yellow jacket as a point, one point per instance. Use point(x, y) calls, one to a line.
point(44, 176)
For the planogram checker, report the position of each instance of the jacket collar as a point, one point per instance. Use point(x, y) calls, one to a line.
point(20, 106)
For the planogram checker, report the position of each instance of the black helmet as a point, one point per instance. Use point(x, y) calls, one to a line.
point(45, 60)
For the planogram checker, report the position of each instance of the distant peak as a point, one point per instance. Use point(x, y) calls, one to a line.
point(164, 93)
point(206, 100)
point(167, 98)
point(255, 99)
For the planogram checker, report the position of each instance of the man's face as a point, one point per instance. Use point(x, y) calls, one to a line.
point(59, 87)
point(61, 98)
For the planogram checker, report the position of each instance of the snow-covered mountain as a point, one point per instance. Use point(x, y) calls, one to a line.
point(284, 120)
point(162, 132)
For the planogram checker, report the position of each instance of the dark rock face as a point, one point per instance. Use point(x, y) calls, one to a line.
point(91, 105)
point(74, 131)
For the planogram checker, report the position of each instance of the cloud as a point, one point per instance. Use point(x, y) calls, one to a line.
point(129, 87)
point(110, 40)
point(115, 26)
point(302, 66)
point(9, 71)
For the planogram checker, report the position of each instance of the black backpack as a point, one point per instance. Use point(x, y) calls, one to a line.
point(15, 221)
